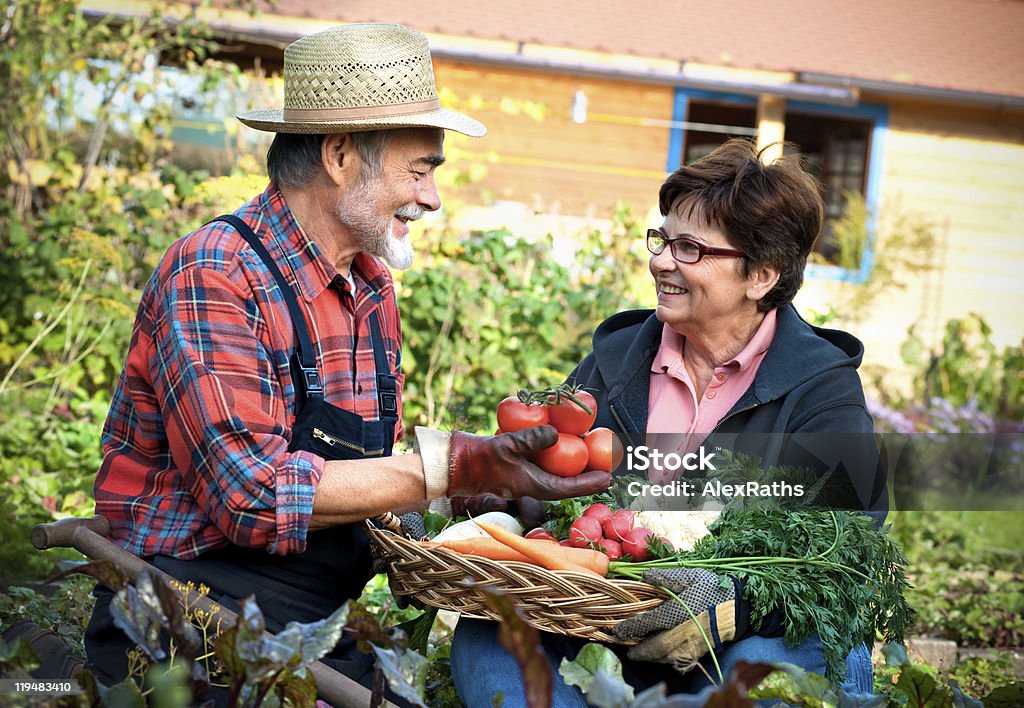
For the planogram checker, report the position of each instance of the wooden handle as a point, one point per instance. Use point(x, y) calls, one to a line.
point(89, 536)
point(61, 534)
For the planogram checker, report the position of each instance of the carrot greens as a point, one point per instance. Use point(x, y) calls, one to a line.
point(828, 572)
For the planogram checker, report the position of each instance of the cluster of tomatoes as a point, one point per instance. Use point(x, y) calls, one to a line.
point(613, 532)
point(572, 413)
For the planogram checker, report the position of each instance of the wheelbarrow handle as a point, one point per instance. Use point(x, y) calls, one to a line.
point(89, 537)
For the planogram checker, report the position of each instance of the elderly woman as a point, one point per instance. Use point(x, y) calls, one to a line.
point(724, 355)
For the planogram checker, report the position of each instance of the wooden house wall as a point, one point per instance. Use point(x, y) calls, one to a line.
point(961, 170)
point(549, 162)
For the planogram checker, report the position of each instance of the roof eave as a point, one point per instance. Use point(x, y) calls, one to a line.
point(903, 90)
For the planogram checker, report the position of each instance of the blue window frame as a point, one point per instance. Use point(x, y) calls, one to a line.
point(877, 118)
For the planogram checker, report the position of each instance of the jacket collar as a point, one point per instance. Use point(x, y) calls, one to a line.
point(625, 346)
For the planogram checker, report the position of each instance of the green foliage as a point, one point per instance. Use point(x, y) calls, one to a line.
point(492, 313)
point(979, 675)
point(88, 201)
point(968, 367)
point(65, 610)
point(966, 587)
point(904, 246)
point(260, 666)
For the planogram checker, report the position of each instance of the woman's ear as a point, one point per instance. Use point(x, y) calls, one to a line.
point(340, 159)
point(761, 281)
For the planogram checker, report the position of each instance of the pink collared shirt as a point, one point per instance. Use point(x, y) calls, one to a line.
point(674, 415)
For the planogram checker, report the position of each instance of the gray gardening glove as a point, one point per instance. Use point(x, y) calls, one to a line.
point(669, 634)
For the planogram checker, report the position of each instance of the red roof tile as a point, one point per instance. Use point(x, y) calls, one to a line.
point(966, 45)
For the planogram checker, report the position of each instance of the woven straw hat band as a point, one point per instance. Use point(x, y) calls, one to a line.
point(331, 75)
point(362, 76)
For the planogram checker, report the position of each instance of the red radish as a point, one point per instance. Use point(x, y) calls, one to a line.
point(635, 543)
point(668, 544)
point(599, 512)
point(565, 542)
point(541, 534)
point(584, 531)
point(610, 547)
point(618, 524)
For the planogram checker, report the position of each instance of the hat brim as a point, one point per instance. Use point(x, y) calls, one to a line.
point(273, 121)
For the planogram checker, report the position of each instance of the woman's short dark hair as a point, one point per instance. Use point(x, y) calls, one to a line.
point(772, 212)
point(294, 158)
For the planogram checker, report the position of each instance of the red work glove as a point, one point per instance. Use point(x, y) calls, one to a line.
point(500, 465)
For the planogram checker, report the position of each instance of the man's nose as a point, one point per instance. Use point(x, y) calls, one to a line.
point(427, 196)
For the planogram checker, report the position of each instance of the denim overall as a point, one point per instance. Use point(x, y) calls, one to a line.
point(337, 562)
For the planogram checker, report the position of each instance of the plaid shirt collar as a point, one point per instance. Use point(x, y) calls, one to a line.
point(313, 271)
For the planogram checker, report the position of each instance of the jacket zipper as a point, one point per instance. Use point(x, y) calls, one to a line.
point(734, 413)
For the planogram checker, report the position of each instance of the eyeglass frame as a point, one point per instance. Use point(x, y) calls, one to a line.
point(702, 250)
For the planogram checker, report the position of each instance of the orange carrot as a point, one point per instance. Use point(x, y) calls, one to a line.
point(485, 547)
point(551, 555)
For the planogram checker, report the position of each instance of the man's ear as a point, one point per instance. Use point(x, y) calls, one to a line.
point(761, 281)
point(340, 159)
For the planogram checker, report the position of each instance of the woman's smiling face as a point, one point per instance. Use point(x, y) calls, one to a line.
point(708, 294)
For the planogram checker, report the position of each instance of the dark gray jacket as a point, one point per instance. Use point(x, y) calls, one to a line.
point(804, 408)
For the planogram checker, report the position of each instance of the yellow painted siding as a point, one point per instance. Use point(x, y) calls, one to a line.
point(536, 155)
point(963, 171)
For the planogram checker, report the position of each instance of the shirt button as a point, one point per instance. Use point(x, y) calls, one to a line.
point(711, 394)
point(720, 377)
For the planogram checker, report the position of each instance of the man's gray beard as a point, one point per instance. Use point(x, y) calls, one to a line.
point(376, 236)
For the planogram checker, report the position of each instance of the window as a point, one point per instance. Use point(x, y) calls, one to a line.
point(836, 153)
point(836, 144)
point(714, 123)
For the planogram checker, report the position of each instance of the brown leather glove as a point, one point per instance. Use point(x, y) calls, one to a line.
point(500, 464)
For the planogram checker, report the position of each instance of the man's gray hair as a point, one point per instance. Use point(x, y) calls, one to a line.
point(293, 159)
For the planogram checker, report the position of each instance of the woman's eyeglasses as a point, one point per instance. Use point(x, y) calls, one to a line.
point(685, 250)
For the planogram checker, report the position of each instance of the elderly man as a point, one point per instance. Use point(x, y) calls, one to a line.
point(251, 430)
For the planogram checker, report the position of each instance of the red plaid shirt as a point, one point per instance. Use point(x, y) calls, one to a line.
point(196, 441)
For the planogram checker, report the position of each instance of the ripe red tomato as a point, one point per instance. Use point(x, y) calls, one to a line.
point(604, 448)
point(566, 458)
point(541, 534)
point(570, 418)
point(515, 415)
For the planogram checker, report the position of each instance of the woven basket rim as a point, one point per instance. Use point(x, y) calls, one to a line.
point(563, 602)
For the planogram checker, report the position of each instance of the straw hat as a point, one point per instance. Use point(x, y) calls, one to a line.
point(359, 77)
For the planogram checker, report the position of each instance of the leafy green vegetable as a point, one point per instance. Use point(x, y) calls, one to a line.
point(434, 523)
point(598, 673)
point(828, 572)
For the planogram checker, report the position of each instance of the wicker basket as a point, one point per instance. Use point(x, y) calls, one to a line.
point(563, 602)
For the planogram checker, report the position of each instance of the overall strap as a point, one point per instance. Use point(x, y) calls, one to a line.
point(310, 383)
point(387, 382)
